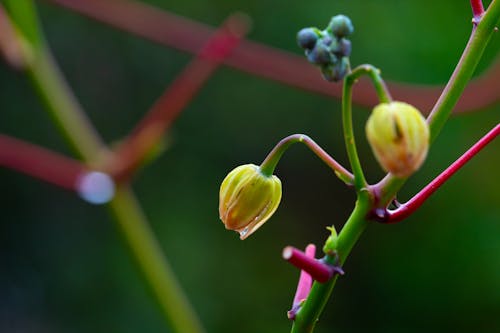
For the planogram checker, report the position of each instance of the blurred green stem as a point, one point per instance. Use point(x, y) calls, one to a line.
point(67, 113)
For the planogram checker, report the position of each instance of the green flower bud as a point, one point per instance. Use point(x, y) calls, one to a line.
point(320, 54)
point(341, 26)
point(399, 137)
point(306, 38)
point(247, 199)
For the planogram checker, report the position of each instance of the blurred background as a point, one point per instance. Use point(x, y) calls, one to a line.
point(65, 268)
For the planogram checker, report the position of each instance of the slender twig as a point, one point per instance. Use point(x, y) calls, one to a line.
point(272, 159)
point(384, 96)
point(151, 128)
point(466, 66)
point(39, 162)
point(168, 29)
point(84, 140)
point(318, 270)
point(308, 315)
point(406, 209)
point(480, 36)
point(310, 311)
point(477, 10)
point(11, 45)
point(303, 286)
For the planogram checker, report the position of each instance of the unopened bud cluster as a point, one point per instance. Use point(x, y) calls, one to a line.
point(329, 48)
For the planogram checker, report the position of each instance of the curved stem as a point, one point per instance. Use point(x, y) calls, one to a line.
point(384, 96)
point(269, 164)
point(464, 70)
point(406, 209)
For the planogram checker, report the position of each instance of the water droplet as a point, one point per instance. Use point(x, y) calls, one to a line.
point(96, 187)
point(243, 232)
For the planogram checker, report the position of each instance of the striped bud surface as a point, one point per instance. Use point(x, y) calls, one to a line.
point(399, 137)
point(247, 199)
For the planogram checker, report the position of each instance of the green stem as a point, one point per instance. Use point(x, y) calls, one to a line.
point(384, 96)
point(146, 249)
point(308, 315)
point(269, 164)
point(63, 106)
point(67, 113)
point(310, 311)
point(480, 36)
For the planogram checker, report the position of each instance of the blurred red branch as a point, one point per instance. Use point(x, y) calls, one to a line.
point(187, 35)
point(151, 128)
point(39, 162)
point(10, 44)
point(406, 209)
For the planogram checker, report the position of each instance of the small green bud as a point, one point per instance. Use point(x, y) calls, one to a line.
point(337, 71)
point(306, 38)
point(247, 199)
point(341, 26)
point(320, 54)
point(399, 137)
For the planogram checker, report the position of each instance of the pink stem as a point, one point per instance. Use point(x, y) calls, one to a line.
point(39, 162)
point(406, 209)
point(316, 269)
point(305, 280)
point(477, 9)
point(152, 127)
point(261, 60)
point(304, 285)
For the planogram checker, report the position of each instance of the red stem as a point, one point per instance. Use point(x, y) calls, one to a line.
point(10, 46)
point(477, 8)
point(39, 162)
point(261, 60)
point(316, 269)
point(304, 285)
point(406, 209)
point(151, 128)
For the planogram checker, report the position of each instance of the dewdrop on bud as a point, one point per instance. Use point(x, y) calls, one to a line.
point(399, 137)
point(247, 199)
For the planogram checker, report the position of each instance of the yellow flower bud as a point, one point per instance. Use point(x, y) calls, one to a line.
point(399, 137)
point(247, 199)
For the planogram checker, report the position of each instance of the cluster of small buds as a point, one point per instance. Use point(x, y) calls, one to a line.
point(329, 48)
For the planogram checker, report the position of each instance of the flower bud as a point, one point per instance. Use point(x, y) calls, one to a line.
point(399, 137)
point(341, 26)
point(306, 38)
point(320, 54)
point(248, 198)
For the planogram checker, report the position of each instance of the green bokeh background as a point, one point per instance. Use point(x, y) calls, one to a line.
point(64, 267)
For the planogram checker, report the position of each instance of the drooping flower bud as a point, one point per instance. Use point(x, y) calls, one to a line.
point(399, 137)
point(248, 198)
